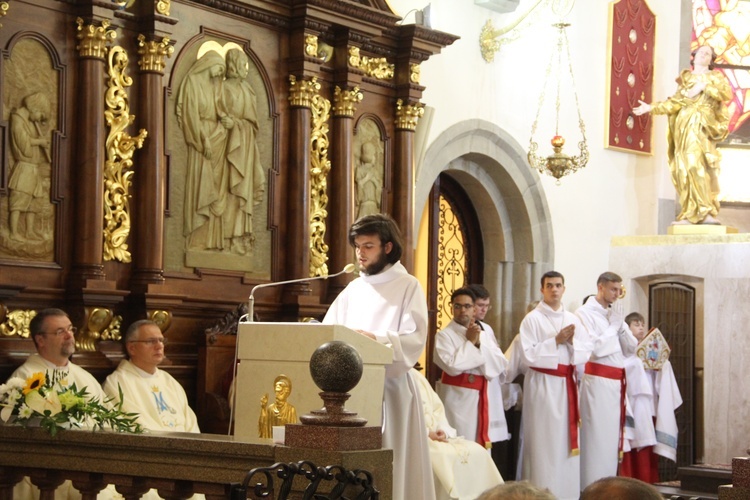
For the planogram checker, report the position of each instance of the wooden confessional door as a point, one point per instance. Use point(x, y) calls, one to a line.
point(455, 255)
point(672, 311)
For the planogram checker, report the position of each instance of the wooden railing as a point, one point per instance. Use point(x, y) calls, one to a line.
point(176, 464)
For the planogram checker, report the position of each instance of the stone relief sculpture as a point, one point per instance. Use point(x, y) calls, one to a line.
point(216, 110)
point(29, 146)
point(369, 165)
point(247, 180)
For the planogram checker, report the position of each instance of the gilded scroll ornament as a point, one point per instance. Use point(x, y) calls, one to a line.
point(354, 58)
point(97, 320)
point(377, 67)
point(112, 331)
point(278, 413)
point(407, 116)
point(301, 92)
point(163, 6)
point(162, 319)
point(345, 101)
point(311, 45)
point(414, 73)
point(120, 147)
point(93, 39)
point(17, 323)
point(153, 54)
point(320, 165)
point(4, 6)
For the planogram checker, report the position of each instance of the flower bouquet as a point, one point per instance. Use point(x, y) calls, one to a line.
point(55, 405)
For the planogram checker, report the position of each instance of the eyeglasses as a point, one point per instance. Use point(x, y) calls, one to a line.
point(151, 342)
point(465, 307)
point(62, 331)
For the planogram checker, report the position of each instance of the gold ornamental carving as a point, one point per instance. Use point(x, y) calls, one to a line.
point(377, 67)
point(301, 92)
point(278, 413)
point(320, 165)
point(407, 116)
point(120, 147)
point(345, 101)
point(153, 54)
point(93, 39)
point(162, 319)
point(414, 73)
point(354, 58)
point(98, 320)
point(4, 6)
point(311, 45)
point(163, 6)
point(17, 323)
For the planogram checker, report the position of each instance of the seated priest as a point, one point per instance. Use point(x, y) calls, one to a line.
point(159, 399)
point(462, 469)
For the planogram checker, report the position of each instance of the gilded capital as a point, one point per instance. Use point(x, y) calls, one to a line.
point(311, 45)
point(301, 92)
point(345, 101)
point(153, 53)
point(407, 116)
point(162, 7)
point(354, 58)
point(414, 73)
point(93, 39)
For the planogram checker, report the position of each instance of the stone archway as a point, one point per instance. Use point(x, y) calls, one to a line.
point(514, 215)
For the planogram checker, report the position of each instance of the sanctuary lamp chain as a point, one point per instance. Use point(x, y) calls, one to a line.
point(558, 164)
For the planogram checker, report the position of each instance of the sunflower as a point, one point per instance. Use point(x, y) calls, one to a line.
point(34, 382)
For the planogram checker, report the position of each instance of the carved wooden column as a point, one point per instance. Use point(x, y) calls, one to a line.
point(407, 116)
point(296, 249)
point(151, 176)
point(89, 155)
point(340, 187)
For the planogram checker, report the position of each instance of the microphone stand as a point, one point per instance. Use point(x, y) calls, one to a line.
point(349, 268)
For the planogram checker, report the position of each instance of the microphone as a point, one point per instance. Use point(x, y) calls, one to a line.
point(349, 268)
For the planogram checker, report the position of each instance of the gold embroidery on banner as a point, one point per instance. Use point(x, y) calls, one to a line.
point(153, 54)
point(345, 101)
point(407, 116)
point(120, 147)
point(17, 323)
point(320, 165)
point(93, 39)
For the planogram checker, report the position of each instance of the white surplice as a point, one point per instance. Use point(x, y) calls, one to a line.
point(498, 430)
point(640, 431)
point(392, 306)
point(456, 355)
point(547, 458)
point(600, 396)
point(667, 399)
point(462, 468)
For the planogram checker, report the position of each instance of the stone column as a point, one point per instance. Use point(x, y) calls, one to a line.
point(407, 116)
point(151, 174)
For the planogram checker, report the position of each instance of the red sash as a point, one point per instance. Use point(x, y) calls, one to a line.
point(613, 373)
point(574, 418)
point(478, 383)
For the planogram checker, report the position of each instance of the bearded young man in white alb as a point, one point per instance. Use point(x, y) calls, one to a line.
point(387, 305)
point(469, 360)
point(553, 342)
point(603, 386)
point(54, 338)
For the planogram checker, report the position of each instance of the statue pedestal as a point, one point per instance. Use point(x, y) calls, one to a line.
point(679, 229)
point(323, 437)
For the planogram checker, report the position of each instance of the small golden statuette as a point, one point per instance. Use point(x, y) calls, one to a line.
point(278, 413)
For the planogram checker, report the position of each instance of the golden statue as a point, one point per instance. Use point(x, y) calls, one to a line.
point(698, 119)
point(280, 412)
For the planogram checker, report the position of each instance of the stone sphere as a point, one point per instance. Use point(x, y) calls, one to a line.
point(336, 367)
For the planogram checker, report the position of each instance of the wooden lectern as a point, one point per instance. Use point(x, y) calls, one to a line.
point(267, 350)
